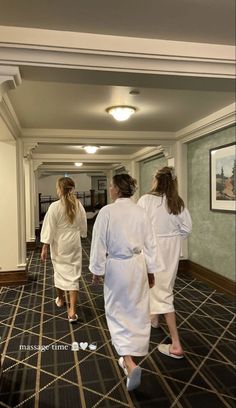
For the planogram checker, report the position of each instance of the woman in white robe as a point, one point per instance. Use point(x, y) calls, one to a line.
point(124, 251)
point(171, 222)
point(63, 225)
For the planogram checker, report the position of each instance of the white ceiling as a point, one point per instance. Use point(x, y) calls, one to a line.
point(203, 21)
point(75, 100)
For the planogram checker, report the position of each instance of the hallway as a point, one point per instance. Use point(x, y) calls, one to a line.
point(39, 368)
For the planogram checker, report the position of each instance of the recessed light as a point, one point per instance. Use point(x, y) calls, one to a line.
point(78, 164)
point(91, 149)
point(121, 112)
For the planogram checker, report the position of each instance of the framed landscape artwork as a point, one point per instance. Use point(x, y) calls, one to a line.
point(223, 178)
point(102, 184)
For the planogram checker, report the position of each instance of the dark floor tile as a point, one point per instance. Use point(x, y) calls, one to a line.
point(195, 397)
point(17, 384)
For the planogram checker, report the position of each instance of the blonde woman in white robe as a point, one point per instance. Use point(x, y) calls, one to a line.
point(123, 250)
point(171, 222)
point(63, 225)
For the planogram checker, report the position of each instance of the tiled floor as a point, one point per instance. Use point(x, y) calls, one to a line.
point(39, 369)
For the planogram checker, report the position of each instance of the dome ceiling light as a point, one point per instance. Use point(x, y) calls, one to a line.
point(91, 149)
point(78, 164)
point(121, 113)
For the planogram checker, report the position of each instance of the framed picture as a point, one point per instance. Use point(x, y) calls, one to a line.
point(223, 178)
point(102, 184)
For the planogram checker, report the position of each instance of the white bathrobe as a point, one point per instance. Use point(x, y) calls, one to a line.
point(169, 230)
point(65, 244)
point(124, 250)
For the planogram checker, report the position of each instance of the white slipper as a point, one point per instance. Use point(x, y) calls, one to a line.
point(165, 349)
point(59, 302)
point(134, 379)
point(73, 320)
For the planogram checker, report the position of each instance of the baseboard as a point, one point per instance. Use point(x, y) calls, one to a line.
point(213, 279)
point(13, 278)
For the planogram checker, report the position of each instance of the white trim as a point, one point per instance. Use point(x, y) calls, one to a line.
point(39, 47)
point(9, 116)
point(220, 119)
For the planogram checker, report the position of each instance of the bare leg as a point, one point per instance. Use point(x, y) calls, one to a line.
point(129, 363)
point(73, 303)
point(176, 347)
point(154, 320)
point(60, 294)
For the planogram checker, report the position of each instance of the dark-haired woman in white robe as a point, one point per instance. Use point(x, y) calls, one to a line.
point(124, 251)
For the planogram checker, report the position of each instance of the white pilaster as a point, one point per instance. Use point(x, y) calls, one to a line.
point(29, 200)
point(12, 232)
point(180, 164)
point(36, 165)
point(109, 174)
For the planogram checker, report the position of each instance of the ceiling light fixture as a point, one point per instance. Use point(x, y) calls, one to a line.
point(91, 149)
point(78, 164)
point(121, 113)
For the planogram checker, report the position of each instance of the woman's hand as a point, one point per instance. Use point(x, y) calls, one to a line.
point(96, 279)
point(151, 280)
point(44, 252)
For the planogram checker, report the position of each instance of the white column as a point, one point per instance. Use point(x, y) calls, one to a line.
point(29, 200)
point(12, 221)
point(109, 174)
point(134, 172)
point(36, 165)
point(180, 164)
point(36, 199)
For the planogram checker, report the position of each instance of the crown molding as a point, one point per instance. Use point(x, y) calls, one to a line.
point(88, 158)
point(103, 137)
point(9, 116)
point(218, 120)
point(30, 46)
point(9, 78)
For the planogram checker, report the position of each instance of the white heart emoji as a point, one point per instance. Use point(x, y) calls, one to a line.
point(83, 345)
point(93, 346)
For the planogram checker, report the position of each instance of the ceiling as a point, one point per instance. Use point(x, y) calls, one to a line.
point(66, 100)
point(203, 21)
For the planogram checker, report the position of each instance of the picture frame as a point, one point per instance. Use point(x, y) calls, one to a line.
point(223, 178)
point(102, 184)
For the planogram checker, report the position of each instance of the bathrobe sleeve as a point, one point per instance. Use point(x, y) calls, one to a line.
point(150, 248)
point(49, 226)
point(184, 223)
point(82, 221)
point(99, 250)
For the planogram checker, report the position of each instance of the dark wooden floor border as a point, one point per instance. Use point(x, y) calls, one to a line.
point(13, 278)
point(216, 281)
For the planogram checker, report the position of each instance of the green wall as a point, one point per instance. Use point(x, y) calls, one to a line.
point(212, 242)
point(148, 169)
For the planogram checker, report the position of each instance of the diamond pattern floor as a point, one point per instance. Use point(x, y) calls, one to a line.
point(39, 369)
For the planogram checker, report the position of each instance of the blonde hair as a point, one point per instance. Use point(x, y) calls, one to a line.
point(165, 183)
point(67, 186)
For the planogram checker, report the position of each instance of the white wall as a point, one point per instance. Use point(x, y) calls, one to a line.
point(47, 185)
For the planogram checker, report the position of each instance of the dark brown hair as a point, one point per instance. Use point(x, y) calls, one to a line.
point(67, 186)
point(165, 183)
point(125, 183)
